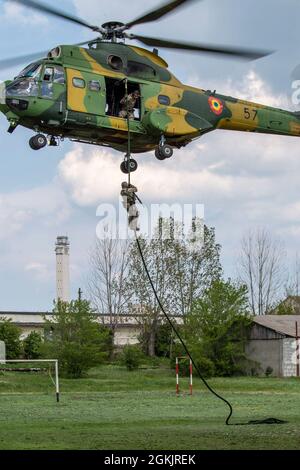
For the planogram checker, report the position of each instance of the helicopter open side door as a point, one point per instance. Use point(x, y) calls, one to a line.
point(86, 92)
point(115, 93)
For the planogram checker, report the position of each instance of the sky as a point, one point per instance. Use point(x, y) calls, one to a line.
point(244, 181)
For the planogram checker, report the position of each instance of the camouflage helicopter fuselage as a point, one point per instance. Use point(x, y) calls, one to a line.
point(75, 105)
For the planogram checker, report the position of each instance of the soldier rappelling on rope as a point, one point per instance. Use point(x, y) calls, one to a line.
point(130, 197)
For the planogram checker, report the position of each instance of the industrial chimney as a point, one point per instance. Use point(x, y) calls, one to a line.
point(62, 249)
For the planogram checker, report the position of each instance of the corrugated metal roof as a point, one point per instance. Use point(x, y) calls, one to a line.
point(284, 324)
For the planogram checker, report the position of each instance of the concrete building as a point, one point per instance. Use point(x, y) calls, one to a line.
point(273, 343)
point(127, 328)
point(62, 250)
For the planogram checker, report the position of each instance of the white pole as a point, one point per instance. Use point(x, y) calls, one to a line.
point(22, 361)
point(177, 376)
point(191, 377)
point(297, 352)
point(57, 381)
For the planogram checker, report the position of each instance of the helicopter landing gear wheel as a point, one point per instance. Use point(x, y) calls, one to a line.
point(132, 166)
point(163, 151)
point(158, 155)
point(38, 142)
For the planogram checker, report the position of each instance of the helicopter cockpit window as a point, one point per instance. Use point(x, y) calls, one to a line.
point(26, 83)
point(59, 75)
point(23, 87)
point(137, 69)
point(53, 74)
point(32, 71)
point(47, 83)
point(115, 62)
point(78, 82)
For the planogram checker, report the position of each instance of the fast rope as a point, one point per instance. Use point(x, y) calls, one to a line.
point(128, 155)
point(211, 390)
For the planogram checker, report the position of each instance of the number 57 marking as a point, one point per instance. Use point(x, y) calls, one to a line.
point(250, 113)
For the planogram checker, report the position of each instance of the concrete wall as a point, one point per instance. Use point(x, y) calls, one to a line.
point(123, 334)
point(268, 353)
point(126, 336)
point(289, 357)
point(26, 330)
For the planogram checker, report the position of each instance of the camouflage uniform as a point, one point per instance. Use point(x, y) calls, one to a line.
point(131, 105)
point(129, 203)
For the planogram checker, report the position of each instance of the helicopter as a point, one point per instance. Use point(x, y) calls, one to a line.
point(77, 92)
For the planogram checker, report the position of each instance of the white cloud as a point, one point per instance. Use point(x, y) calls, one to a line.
point(221, 166)
point(39, 271)
point(233, 175)
point(93, 176)
point(34, 266)
point(251, 88)
point(15, 12)
point(46, 205)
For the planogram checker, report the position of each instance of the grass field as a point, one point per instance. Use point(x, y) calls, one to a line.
point(115, 409)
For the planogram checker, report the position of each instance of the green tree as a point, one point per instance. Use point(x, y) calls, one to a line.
point(131, 357)
point(74, 337)
point(284, 309)
point(182, 265)
point(32, 346)
point(10, 334)
point(216, 329)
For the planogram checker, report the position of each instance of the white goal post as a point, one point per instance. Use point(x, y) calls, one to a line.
point(30, 361)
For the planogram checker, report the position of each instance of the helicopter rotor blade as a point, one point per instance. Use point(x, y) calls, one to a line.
point(237, 52)
point(27, 59)
point(42, 7)
point(13, 61)
point(157, 13)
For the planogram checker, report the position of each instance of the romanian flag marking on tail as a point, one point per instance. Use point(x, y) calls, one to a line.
point(215, 105)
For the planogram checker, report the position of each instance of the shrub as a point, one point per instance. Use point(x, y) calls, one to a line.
point(32, 346)
point(164, 341)
point(10, 334)
point(75, 338)
point(206, 367)
point(269, 371)
point(131, 357)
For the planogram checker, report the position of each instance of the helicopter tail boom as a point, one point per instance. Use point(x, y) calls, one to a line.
point(252, 117)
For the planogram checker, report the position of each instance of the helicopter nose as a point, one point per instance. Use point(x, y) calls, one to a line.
point(3, 105)
point(2, 92)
